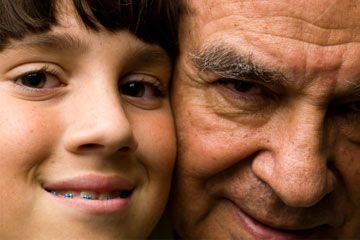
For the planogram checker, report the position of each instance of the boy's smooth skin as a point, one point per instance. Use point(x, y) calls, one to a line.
point(82, 112)
point(267, 106)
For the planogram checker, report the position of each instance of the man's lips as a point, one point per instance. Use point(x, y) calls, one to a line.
point(266, 229)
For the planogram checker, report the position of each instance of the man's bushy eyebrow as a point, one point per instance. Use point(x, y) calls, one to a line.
point(226, 62)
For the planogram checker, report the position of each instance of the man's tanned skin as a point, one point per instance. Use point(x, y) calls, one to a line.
point(267, 106)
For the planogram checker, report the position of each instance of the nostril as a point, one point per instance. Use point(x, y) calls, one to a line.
point(100, 140)
point(125, 149)
point(94, 146)
point(90, 146)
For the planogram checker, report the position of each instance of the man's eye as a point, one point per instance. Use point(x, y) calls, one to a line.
point(243, 96)
point(242, 86)
point(239, 85)
point(352, 112)
point(349, 109)
point(38, 79)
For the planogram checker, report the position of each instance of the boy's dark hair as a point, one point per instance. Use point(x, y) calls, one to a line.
point(153, 21)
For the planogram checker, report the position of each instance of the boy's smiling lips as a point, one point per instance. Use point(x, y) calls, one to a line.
point(86, 192)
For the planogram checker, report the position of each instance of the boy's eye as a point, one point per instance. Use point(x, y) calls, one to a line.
point(140, 89)
point(133, 89)
point(38, 80)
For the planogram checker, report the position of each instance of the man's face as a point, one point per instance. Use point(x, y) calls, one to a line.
point(267, 104)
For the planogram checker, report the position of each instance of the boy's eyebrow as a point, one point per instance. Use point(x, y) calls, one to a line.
point(149, 56)
point(66, 41)
point(226, 62)
point(51, 41)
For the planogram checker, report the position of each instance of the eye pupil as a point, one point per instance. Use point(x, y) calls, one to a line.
point(133, 89)
point(242, 86)
point(36, 80)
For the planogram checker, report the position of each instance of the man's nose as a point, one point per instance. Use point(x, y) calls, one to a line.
point(99, 124)
point(297, 167)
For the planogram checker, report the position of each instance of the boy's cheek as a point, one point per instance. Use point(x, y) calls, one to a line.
point(28, 136)
point(157, 141)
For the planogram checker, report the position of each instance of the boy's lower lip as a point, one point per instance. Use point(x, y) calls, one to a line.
point(98, 207)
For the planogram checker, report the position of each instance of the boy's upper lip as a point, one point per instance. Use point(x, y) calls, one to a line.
point(91, 182)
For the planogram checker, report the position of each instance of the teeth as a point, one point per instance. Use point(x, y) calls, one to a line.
point(69, 195)
point(54, 193)
point(89, 195)
point(105, 196)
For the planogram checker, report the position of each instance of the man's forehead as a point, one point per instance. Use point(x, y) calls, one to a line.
point(323, 13)
point(320, 23)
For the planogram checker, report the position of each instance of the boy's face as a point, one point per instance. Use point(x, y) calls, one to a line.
point(83, 115)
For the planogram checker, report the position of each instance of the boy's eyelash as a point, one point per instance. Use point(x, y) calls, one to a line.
point(161, 91)
point(45, 69)
point(158, 87)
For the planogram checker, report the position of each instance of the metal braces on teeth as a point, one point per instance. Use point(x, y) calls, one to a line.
point(86, 196)
point(89, 196)
point(69, 195)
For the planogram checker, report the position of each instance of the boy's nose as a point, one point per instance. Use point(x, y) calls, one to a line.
point(297, 170)
point(100, 125)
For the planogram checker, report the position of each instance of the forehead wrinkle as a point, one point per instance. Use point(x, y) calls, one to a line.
point(228, 63)
point(326, 25)
point(327, 14)
point(288, 27)
point(327, 10)
point(51, 41)
point(300, 30)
